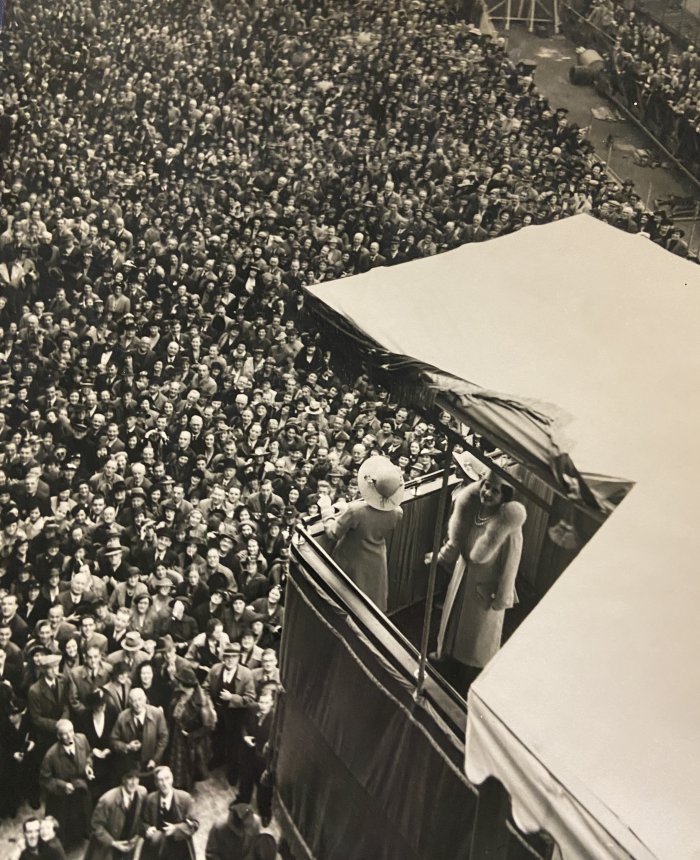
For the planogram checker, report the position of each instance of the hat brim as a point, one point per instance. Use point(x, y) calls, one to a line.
point(469, 464)
point(371, 494)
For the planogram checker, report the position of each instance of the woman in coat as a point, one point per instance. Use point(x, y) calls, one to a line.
point(96, 723)
point(361, 530)
point(19, 763)
point(192, 720)
point(485, 539)
point(144, 618)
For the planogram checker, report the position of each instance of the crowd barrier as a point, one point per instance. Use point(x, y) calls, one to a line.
point(636, 95)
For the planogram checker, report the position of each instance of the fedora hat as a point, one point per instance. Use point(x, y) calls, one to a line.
point(233, 649)
point(381, 483)
point(132, 641)
point(186, 677)
point(46, 660)
point(165, 643)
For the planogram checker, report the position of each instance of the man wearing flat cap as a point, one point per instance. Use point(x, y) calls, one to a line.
point(47, 701)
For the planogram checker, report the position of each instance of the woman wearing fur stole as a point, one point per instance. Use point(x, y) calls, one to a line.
point(485, 539)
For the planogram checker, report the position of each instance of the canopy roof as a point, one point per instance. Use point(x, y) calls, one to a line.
point(590, 714)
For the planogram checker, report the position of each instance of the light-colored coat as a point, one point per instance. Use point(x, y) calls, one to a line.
point(155, 735)
point(483, 582)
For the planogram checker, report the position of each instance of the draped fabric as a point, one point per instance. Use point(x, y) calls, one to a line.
point(529, 430)
point(408, 574)
point(362, 770)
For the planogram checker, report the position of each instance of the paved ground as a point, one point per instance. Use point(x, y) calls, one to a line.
point(211, 805)
point(554, 57)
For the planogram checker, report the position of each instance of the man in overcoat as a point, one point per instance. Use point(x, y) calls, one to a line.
point(117, 821)
point(47, 701)
point(168, 821)
point(232, 691)
point(140, 735)
point(65, 772)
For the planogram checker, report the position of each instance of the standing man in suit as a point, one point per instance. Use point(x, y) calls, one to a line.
point(118, 820)
point(256, 756)
point(65, 772)
point(47, 702)
point(131, 652)
point(140, 735)
point(168, 821)
point(232, 690)
point(84, 680)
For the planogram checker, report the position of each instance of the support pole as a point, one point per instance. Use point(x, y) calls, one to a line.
point(437, 538)
point(692, 231)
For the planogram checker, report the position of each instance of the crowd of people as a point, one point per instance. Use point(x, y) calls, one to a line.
point(656, 80)
point(173, 176)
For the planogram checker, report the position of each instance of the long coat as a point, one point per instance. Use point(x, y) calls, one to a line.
point(180, 845)
point(482, 586)
point(46, 707)
point(189, 754)
point(361, 532)
point(58, 769)
point(153, 742)
point(108, 821)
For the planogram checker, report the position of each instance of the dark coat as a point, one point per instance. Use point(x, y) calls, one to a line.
point(46, 708)
point(108, 821)
point(178, 846)
point(58, 770)
point(244, 695)
point(80, 685)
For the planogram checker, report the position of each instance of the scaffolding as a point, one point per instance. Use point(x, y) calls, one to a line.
point(530, 12)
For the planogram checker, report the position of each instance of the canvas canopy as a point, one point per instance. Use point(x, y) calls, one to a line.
point(590, 714)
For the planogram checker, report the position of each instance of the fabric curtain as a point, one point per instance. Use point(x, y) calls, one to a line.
point(408, 574)
point(362, 770)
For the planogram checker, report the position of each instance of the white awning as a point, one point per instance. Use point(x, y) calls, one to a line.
point(590, 715)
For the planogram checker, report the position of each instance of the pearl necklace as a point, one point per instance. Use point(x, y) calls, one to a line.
point(481, 521)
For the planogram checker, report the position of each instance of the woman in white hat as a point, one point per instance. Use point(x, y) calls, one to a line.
point(362, 528)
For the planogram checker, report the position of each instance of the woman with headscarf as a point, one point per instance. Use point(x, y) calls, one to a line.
point(485, 539)
point(362, 528)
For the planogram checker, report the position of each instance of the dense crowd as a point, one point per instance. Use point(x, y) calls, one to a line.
point(657, 81)
point(173, 175)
